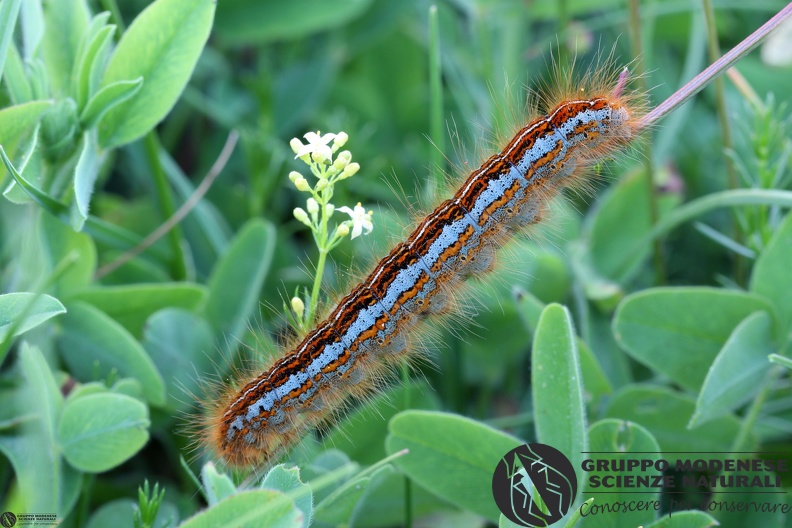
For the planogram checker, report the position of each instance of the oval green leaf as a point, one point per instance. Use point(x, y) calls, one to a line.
point(132, 305)
point(93, 345)
point(162, 45)
point(557, 385)
point(287, 480)
point(238, 276)
point(108, 98)
point(618, 229)
point(771, 277)
point(216, 486)
point(18, 119)
point(685, 519)
point(679, 331)
point(252, 509)
point(738, 371)
point(100, 431)
point(621, 440)
point(361, 434)
point(22, 311)
point(246, 22)
point(451, 456)
point(66, 21)
point(666, 413)
point(181, 344)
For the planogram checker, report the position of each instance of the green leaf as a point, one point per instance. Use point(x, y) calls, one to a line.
point(246, 22)
point(18, 119)
point(252, 509)
point(595, 382)
point(92, 345)
point(131, 305)
point(85, 174)
point(571, 522)
point(287, 481)
point(162, 45)
point(32, 27)
point(108, 98)
point(666, 413)
point(46, 483)
point(452, 456)
point(238, 276)
point(66, 21)
point(622, 441)
point(496, 319)
point(679, 331)
point(93, 46)
point(557, 385)
point(216, 486)
point(737, 373)
point(361, 435)
point(62, 243)
point(771, 277)
point(685, 519)
point(24, 311)
point(9, 11)
point(119, 514)
point(26, 151)
point(49, 204)
point(181, 344)
point(15, 77)
point(619, 226)
point(100, 431)
point(343, 504)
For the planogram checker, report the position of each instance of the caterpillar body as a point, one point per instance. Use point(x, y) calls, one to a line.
point(367, 333)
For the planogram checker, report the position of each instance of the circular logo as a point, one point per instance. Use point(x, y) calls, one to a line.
point(534, 485)
point(7, 519)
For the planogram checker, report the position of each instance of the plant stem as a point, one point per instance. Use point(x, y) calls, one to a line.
point(316, 287)
point(435, 106)
point(636, 46)
point(701, 80)
point(723, 118)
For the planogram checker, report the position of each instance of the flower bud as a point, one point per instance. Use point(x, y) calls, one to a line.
point(302, 184)
point(293, 175)
point(312, 206)
point(342, 160)
point(321, 184)
point(318, 156)
point(340, 140)
point(343, 229)
point(329, 210)
point(295, 145)
point(302, 216)
point(298, 306)
point(350, 170)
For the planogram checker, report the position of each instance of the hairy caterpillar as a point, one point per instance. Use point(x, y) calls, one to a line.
point(368, 332)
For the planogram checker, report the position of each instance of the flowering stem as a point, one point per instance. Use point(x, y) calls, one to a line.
point(309, 319)
point(701, 80)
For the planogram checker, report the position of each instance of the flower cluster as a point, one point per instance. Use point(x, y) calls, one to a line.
point(318, 153)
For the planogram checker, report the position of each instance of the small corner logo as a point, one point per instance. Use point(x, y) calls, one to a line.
point(534, 485)
point(8, 519)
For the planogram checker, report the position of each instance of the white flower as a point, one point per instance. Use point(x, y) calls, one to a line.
point(316, 144)
point(360, 219)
